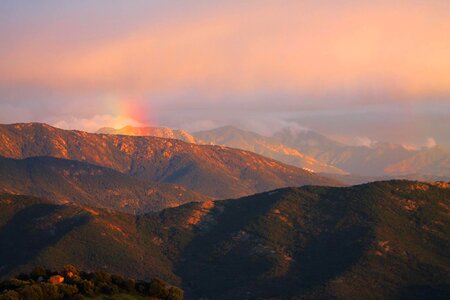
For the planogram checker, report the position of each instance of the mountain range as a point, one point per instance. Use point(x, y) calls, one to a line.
point(268, 146)
point(214, 171)
point(360, 160)
point(434, 161)
point(378, 159)
point(383, 240)
point(142, 203)
point(236, 138)
point(312, 151)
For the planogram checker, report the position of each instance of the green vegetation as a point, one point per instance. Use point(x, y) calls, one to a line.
point(383, 240)
point(40, 284)
point(61, 181)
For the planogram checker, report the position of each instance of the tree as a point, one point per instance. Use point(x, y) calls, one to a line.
point(10, 295)
point(175, 293)
point(37, 272)
point(68, 271)
point(158, 288)
point(50, 291)
point(32, 292)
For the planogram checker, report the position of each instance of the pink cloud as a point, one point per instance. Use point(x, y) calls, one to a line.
point(312, 48)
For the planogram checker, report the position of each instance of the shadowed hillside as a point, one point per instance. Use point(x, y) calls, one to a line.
point(384, 240)
point(35, 232)
point(64, 181)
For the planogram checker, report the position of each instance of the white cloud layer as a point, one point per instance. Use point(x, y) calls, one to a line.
point(431, 142)
point(94, 123)
point(364, 141)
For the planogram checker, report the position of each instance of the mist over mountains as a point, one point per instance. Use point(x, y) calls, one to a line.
point(315, 152)
point(215, 171)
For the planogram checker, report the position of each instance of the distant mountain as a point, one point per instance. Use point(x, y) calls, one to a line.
point(162, 132)
point(315, 143)
point(384, 240)
point(65, 181)
point(435, 161)
point(233, 137)
point(360, 160)
point(215, 171)
point(315, 152)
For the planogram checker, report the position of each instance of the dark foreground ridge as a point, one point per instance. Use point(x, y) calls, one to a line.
point(383, 240)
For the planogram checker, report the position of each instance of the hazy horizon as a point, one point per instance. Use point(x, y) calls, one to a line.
point(358, 71)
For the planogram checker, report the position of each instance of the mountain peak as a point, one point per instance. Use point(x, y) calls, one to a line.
point(31, 125)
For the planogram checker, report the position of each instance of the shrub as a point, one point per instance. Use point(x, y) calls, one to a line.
point(12, 284)
point(109, 289)
point(68, 291)
point(32, 292)
point(142, 287)
point(118, 280)
point(23, 276)
point(10, 295)
point(158, 288)
point(68, 271)
point(50, 291)
point(37, 272)
point(130, 285)
point(81, 285)
point(102, 277)
point(175, 293)
point(86, 287)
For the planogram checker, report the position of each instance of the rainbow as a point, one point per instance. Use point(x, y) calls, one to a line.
point(129, 111)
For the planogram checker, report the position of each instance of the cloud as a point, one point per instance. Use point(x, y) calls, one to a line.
point(356, 52)
point(199, 125)
point(364, 141)
point(411, 147)
point(431, 143)
point(12, 113)
point(230, 61)
point(268, 125)
point(265, 123)
point(94, 123)
point(294, 127)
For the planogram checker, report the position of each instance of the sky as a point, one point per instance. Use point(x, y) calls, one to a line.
point(359, 71)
